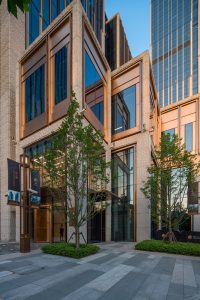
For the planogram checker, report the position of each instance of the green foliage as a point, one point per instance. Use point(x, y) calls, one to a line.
point(73, 163)
point(70, 250)
point(169, 177)
point(13, 5)
point(176, 248)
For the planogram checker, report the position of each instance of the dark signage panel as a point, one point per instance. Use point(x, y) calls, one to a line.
point(35, 185)
point(14, 182)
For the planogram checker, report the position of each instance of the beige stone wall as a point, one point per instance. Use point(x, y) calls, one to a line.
point(142, 145)
point(12, 44)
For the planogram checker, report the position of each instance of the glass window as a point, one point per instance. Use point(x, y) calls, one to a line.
point(46, 14)
point(34, 93)
point(61, 75)
point(98, 110)
point(171, 132)
point(94, 89)
point(91, 74)
point(123, 195)
point(54, 9)
point(34, 20)
point(188, 137)
point(124, 110)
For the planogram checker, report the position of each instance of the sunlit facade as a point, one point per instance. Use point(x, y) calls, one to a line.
point(175, 44)
point(120, 100)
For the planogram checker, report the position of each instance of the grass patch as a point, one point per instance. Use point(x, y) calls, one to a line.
point(64, 249)
point(176, 248)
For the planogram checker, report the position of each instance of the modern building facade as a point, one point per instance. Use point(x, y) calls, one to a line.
point(67, 56)
point(175, 49)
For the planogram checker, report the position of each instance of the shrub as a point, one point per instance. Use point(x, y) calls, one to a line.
point(64, 249)
point(176, 248)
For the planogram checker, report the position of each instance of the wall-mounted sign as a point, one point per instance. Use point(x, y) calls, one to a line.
point(193, 199)
point(35, 199)
point(14, 182)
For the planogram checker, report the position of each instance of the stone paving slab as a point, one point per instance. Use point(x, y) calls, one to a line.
point(117, 272)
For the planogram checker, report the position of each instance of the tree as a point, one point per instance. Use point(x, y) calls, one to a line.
point(75, 161)
point(13, 5)
point(166, 187)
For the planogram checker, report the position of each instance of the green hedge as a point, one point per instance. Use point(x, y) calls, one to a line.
point(176, 248)
point(64, 249)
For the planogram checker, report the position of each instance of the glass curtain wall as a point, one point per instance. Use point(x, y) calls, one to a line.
point(123, 195)
point(172, 51)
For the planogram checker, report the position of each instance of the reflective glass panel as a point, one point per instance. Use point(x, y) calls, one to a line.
point(124, 110)
point(188, 137)
point(171, 132)
point(34, 93)
point(61, 75)
point(123, 195)
point(94, 89)
point(34, 20)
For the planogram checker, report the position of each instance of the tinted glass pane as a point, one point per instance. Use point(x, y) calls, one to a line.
point(61, 75)
point(34, 93)
point(98, 110)
point(46, 14)
point(34, 18)
point(171, 132)
point(188, 137)
point(91, 74)
point(54, 9)
point(62, 5)
point(123, 195)
point(94, 89)
point(124, 110)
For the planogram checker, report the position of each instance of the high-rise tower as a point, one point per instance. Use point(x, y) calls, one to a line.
point(174, 49)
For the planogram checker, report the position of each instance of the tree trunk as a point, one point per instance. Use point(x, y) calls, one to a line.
point(170, 216)
point(77, 237)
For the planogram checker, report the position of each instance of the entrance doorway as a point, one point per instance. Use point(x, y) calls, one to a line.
point(40, 224)
point(96, 227)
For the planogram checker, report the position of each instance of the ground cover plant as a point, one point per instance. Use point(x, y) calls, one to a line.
point(163, 246)
point(70, 250)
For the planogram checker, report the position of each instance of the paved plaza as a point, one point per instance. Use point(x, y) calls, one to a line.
point(116, 272)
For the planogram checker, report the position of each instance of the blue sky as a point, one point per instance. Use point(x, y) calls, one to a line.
point(135, 16)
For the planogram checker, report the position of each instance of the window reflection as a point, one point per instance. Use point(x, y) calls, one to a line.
point(34, 20)
point(61, 75)
point(170, 132)
point(94, 89)
point(34, 91)
point(124, 110)
point(188, 137)
point(123, 195)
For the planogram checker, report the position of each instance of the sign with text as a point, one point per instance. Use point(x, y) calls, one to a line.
point(35, 199)
point(14, 182)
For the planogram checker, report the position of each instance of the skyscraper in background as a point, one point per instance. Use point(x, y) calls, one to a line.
point(174, 49)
